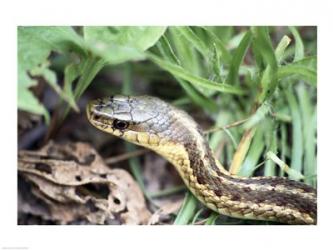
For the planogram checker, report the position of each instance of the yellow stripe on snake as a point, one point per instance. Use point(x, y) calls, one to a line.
point(172, 133)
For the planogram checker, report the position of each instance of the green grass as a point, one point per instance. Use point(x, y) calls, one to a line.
point(267, 75)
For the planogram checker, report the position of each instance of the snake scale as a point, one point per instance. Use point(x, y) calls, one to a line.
point(172, 133)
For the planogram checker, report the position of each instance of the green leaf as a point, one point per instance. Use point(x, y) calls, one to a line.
point(196, 96)
point(113, 53)
point(72, 72)
point(235, 40)
point(34, 46)
point(265, 48)
point(194, 40)
point(220, 136)
point(205, 43)
point(141, 38)
point(297, 136)
point(271, 144)
point(120, 44)
point(305, 73)
point(283, 146)
point(299, 46)
point(280, 49)
point(258, 116)
point(305, 69)
point(168, 53)
point(187, 55)
point(196, 216)
point(28, 102)
point(309, 62)
point(238, 58)
point(90, 68)
point(212, 218)
point(196, 80)
point(253, 156)
point(292, 173)
point(86, 71)
point(25, 99)
point(166, 50)
point(222, 50)
point(36, 43)
point(223, 33)
point(51, 79)
point(31, 52)
point(309, 123)
point(187, 210)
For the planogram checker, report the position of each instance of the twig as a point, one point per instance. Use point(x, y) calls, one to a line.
point(235, 124)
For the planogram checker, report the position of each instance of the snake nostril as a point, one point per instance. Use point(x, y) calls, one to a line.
point(97, 117)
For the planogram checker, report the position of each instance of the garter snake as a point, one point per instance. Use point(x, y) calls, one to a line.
point(172, 133)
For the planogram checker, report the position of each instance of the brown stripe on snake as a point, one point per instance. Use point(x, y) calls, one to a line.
point(173, 134)
point(239, 194)
point(276, 184)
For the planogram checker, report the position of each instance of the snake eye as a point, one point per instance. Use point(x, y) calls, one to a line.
point(121, 125)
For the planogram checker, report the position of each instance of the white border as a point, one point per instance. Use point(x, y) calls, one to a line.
point(208, 12)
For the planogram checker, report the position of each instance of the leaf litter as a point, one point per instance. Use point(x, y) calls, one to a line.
point(75, 186)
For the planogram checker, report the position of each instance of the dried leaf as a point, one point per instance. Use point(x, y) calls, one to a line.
point(76, 185)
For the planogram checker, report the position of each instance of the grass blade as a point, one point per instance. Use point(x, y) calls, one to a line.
point(308, 112)
point(187, 210)
point(223, 52)
point(250, 163)
point(195, 80)
point(293, 174)
point(265, 48)
point(241, 151)
point(238, 58)
point(280, 49)
point(212, 218)
point(197, 97)
point(271, 142)
point(194, 40)
point(187, 55)
point(303, 72)
point(166, 50)
point(283, 146)
point(297, 136)
point(258, 116)
point(299, 46)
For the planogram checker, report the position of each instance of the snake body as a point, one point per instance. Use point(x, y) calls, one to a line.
point(172, 133)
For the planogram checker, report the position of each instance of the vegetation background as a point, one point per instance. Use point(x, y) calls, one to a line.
point(253, 89)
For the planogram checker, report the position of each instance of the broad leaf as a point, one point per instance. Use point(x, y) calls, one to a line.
point(120, 44)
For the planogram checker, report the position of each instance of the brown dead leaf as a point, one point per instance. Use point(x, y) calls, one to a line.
point(75, 183)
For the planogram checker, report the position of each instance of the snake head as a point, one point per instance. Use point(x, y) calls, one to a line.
point(137, 119)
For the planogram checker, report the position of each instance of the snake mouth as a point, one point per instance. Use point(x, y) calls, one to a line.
point(94, 116)
point(90, 110)
point(98, 117)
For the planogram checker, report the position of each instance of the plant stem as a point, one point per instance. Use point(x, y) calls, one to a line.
point(187, 210)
